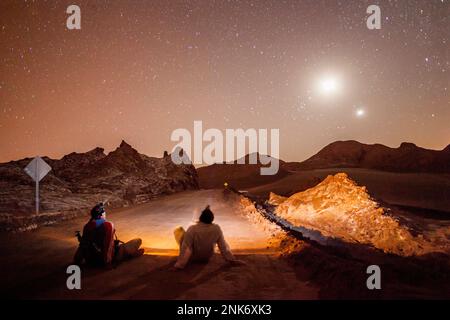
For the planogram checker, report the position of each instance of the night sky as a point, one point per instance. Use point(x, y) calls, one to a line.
point(137, 70)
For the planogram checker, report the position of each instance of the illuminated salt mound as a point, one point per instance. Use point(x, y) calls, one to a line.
point(338, 207)
point(249, 211)
point(275, 199)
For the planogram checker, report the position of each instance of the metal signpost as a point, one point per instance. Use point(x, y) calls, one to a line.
point(37, 169)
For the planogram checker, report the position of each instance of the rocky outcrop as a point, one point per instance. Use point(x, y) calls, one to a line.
point(79, 180)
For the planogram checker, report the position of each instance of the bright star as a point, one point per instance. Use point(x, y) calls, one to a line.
point(360, 112)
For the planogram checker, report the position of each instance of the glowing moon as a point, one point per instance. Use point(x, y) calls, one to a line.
point(329, 85)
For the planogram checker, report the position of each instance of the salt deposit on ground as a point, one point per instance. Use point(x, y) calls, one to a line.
point(248, 210)
point(338, 207)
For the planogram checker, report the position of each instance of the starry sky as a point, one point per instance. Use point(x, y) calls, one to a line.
point(137, 70)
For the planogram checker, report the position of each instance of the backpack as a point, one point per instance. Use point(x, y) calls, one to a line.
point(91, 252)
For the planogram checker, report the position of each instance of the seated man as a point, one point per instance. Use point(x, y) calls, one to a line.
point(198, 242)
point(98, 245)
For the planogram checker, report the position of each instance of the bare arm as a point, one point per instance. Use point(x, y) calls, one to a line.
point(185, 251)
point(224, 248)
point(183, 258)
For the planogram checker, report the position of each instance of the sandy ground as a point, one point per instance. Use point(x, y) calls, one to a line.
point(33, 263)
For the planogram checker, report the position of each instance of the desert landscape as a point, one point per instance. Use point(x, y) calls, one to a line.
point(122, 122)
point(334, 223)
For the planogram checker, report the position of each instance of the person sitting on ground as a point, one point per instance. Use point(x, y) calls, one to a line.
point(198, 242)
point(98, 245)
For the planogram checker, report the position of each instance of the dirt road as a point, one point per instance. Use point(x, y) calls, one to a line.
point(34, 263)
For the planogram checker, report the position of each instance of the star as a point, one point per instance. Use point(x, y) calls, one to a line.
point(360, 112)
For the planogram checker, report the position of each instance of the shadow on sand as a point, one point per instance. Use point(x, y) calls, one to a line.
point(163, 283)
point(344, 276)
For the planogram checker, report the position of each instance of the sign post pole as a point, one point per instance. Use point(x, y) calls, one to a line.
point(37, 169)
point(37, 187)
point(37, 196)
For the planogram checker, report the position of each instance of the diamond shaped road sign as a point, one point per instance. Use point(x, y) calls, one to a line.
point(37, 169)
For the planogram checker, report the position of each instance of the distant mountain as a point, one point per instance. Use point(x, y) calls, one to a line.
point(238, 175)
point(353, 154)
point(79, 180)
point(340, 154)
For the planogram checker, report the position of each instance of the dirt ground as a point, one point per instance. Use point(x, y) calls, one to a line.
point(34, 263)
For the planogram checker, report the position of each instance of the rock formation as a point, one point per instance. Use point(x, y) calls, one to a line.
point(79, 180)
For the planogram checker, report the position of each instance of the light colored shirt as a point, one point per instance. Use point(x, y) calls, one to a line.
point(199, 242)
